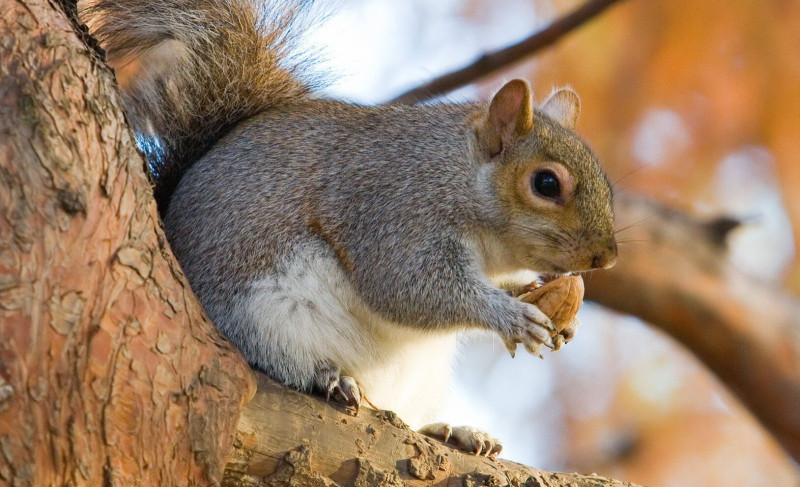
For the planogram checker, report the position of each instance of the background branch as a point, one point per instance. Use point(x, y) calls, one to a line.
point(675, 273)
point(493, 61)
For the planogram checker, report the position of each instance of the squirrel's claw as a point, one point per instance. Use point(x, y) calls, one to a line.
point(536, 330)
point(534, 349)
point(342, 388)
point(511, 345)
point(348, 393)
point(441, 431)
point(464, 438)
point(331, 388)
point(533, 314)
point(539, 335)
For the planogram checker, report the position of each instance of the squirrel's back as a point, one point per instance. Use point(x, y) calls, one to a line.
point(189, 70)
point(327, 170)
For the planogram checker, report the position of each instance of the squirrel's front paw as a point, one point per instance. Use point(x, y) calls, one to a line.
point(341, 388)
point(464, 438)
point(567, 334)
point(532, 329)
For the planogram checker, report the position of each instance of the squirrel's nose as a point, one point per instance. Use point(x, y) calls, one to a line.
point(605, 259)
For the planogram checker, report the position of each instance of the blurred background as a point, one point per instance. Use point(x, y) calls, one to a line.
point(695, 104)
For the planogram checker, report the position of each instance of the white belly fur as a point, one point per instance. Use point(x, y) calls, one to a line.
point(310, 314)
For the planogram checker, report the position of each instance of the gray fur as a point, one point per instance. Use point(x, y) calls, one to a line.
point(395, 194)
point(298, 175)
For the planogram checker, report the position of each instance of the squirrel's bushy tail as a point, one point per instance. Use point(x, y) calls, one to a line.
point(191, 69)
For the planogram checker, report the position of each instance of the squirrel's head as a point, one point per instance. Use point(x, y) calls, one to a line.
point(555, 199)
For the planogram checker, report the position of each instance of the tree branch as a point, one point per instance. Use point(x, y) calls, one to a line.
point(373, 449)
point(491, 62)
point(675, 274)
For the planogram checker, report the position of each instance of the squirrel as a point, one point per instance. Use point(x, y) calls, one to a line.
point(342, 247)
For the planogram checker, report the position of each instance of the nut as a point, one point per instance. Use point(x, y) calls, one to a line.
point(559, 299)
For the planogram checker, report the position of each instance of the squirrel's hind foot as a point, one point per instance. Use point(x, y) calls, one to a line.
point(464, 438)
point(341, 388)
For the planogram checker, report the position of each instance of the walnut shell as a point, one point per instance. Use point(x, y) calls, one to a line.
point(559, 299)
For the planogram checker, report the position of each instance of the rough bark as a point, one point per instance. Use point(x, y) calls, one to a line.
point(109, 371)
point(329, 447)
point(674, 273)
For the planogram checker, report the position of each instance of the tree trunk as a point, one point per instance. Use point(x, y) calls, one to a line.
point(109, 370)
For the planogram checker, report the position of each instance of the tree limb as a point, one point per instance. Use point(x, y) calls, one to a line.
point(675, 274)
point(329, 447)
point(493, 61)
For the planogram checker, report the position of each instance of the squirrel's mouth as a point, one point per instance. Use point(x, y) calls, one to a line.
point(546, 277)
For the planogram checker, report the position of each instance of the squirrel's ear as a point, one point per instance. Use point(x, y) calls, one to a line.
point(563, 106)
point(510, 116)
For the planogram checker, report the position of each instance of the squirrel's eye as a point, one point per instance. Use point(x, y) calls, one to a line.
point(546, 184)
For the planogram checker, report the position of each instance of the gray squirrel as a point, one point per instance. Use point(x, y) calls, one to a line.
point(342, 247)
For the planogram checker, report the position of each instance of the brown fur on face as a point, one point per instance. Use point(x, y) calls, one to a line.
point(575, 233)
